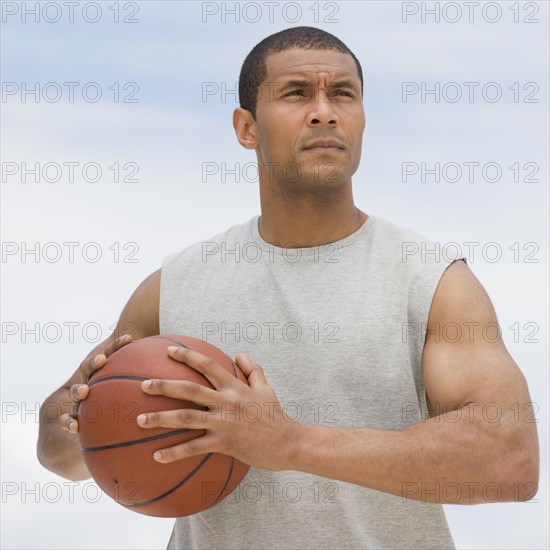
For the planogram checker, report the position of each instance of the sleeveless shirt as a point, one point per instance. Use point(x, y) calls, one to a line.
point(339, 330)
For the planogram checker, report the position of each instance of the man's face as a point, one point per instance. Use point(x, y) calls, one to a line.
point(310, 118)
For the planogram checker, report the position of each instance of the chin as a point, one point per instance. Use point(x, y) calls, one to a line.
point(314, 185)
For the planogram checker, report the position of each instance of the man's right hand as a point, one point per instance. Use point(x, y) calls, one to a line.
point(59, 450)
point(88, 367)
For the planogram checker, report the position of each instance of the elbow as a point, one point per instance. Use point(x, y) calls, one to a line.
point(529, 463)
point(73, 470)
point(45, 459)
point(65, 470)
point(528, 471)
point(522, 469)
point(41, 454)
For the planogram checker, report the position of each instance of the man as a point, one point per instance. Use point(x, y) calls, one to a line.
point(371, 414)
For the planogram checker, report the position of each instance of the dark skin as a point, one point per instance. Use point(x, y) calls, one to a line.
point(306, 97)
point(316, 209)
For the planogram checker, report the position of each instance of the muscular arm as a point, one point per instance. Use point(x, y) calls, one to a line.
point(58, 449)
point(479, 445)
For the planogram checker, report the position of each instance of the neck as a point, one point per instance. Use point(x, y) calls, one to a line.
point(308, 219)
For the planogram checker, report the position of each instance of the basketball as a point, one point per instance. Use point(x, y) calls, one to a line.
point(119, 453)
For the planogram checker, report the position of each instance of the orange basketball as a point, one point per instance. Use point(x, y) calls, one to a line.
point(119, 453)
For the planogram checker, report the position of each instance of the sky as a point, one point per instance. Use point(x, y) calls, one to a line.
point(123, 111)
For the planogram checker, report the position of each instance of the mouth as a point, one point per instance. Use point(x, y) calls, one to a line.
point(324, 146)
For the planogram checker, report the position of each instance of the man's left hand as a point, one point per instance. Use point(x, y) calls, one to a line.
point(246, 422)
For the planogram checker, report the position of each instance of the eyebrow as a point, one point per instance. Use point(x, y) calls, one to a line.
point(308, 83)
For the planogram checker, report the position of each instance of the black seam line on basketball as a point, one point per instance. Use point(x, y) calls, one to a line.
point(226, 481)
point(171, 340)
point(175, 487)
point(134, 441)
point(119, 377)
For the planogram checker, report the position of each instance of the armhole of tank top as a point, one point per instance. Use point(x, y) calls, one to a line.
point(172, 541)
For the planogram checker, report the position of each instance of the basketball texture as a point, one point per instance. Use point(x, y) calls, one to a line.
point(119, 453)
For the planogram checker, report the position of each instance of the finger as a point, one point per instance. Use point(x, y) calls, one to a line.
point(89, 366)
point(182, 389)
point(118, 343)
point(181, 418)
point(68, 423)
point(78, 392)
point(200, 445)
point(215, 373)
point(251, 370)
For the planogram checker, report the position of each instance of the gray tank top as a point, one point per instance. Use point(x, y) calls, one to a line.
point(339, 331)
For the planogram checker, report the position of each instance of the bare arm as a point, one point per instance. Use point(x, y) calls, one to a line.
point(57, 448)
point(480, 445)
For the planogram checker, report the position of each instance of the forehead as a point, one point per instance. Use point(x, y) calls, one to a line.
point(299, 62)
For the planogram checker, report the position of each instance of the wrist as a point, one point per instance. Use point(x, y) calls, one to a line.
point(296, 444)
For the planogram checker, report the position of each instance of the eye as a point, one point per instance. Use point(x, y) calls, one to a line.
point(344, 92)
point(294, 93)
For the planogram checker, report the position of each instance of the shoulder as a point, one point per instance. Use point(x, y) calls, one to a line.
point(404, 244)
point(211, 245)
point(459, 296)
point(140, 316)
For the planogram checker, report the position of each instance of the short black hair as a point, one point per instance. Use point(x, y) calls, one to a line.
point(254, 69)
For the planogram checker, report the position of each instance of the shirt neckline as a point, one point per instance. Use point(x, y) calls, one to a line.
point(314, 251)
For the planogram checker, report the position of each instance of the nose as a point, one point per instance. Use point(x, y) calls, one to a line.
point(322, 111)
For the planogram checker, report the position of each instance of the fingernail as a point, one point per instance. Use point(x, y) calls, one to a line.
point(141, 419)
point(70, 426)
point(172, 349)
point(146, 384)
point(157, 456)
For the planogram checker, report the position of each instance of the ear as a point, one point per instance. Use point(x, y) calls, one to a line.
point(245, 128)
